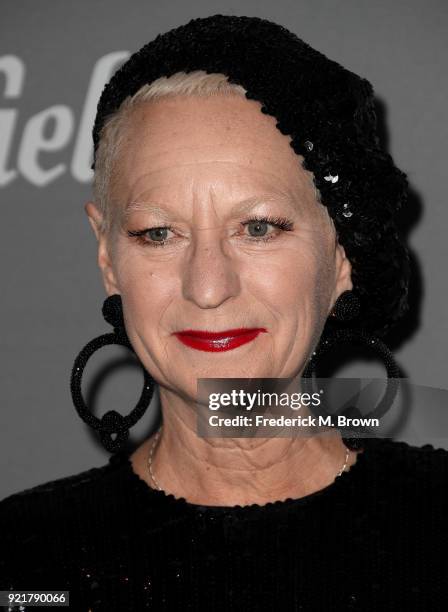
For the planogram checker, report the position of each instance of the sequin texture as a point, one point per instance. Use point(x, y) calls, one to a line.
point(372, 540)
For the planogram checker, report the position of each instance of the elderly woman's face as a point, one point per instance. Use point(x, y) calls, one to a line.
point(200, 169)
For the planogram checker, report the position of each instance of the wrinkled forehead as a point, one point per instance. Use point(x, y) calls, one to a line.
point(221, 144)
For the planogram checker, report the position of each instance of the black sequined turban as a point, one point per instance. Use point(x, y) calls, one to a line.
point(327, 111)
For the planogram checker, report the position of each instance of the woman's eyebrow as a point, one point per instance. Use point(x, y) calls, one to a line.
point(145, 206)
point(243, 206)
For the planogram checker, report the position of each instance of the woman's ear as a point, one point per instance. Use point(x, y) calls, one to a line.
point(343, 274)
point(104, 260)
point(95, 218)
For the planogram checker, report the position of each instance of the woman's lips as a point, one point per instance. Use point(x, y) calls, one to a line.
point(218, 341)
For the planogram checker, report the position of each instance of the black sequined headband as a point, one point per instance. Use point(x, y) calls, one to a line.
point(327, 110)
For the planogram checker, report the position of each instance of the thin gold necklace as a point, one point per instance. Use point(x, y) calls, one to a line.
point(154, 443)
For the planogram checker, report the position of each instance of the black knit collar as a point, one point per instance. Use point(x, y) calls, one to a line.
point(168, 501)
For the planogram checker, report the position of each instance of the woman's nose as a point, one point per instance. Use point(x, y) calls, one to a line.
point(210, 274)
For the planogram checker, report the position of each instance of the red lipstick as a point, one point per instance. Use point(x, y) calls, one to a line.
point(218, 341)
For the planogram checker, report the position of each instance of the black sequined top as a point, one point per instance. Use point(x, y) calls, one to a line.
point(375, 539)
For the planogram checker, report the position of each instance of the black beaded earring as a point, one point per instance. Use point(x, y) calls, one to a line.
point(347, 308)
point(113, 427)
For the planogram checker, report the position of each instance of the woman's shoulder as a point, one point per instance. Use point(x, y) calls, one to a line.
point(46, 528)
point(424, 456)
point(47, 503)
point(407, 469)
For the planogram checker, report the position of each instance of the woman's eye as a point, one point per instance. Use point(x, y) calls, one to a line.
point(154, 236)
point(258, 231)
point(257, 228)
point(158, 234)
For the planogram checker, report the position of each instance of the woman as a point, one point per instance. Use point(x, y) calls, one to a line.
point(236, 243)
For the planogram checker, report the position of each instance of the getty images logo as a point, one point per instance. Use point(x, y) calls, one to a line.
point(34, 138)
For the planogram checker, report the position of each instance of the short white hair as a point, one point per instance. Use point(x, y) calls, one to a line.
point(196, 83)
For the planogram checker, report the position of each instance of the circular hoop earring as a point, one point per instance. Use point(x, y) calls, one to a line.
point(112, 423)
point(350, 336)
